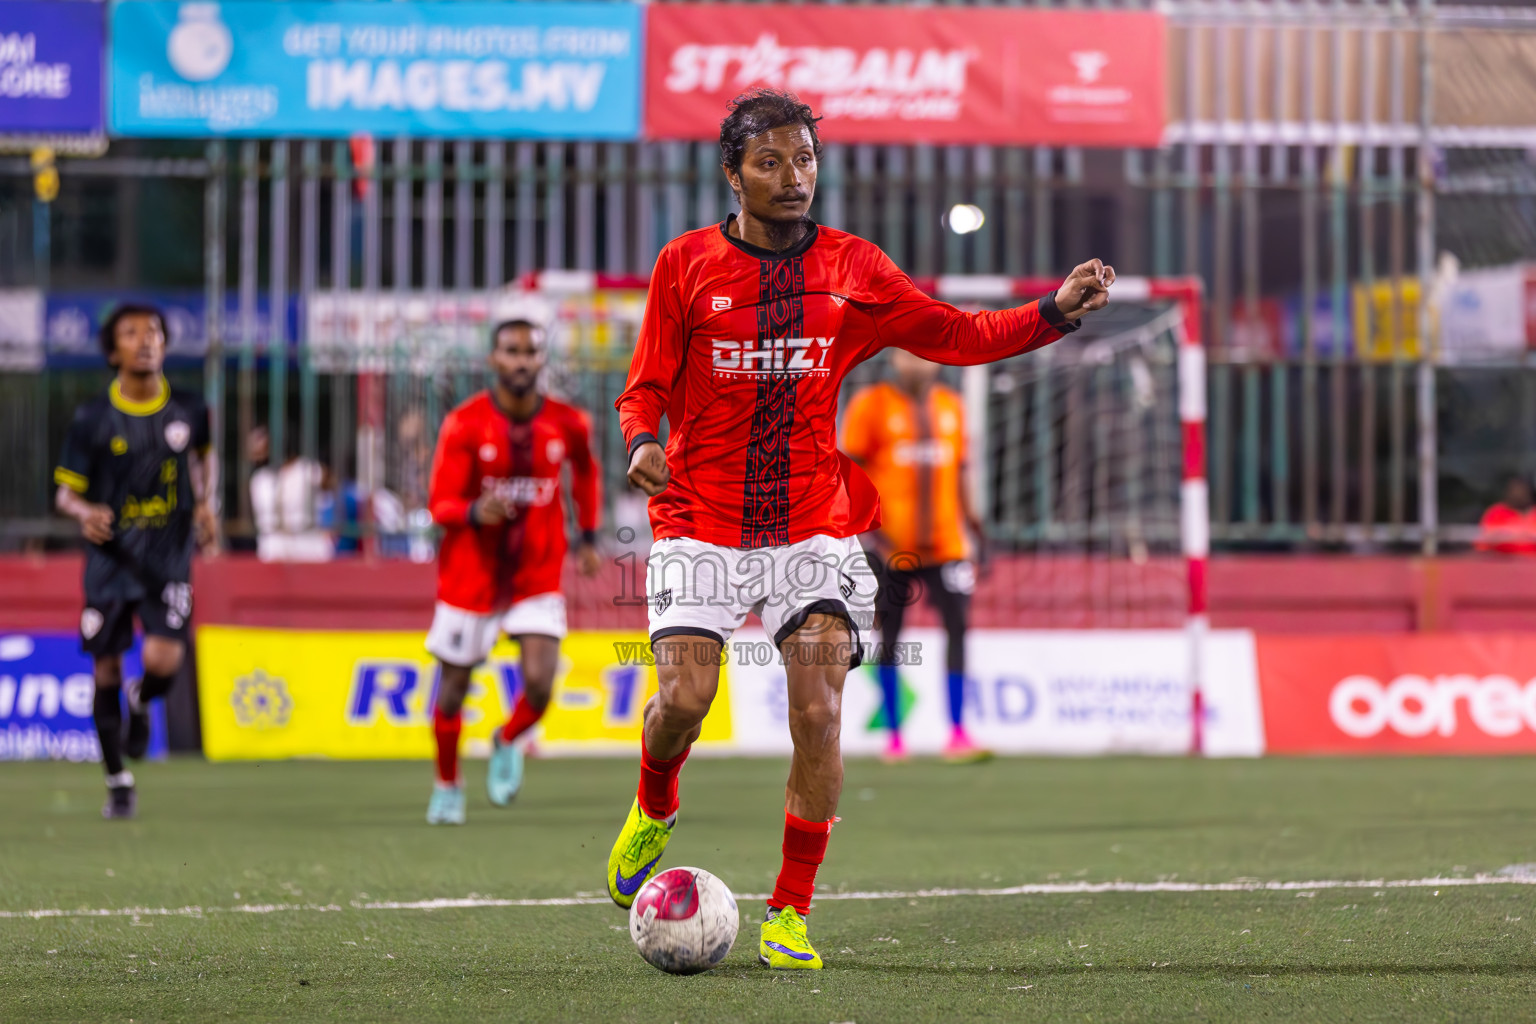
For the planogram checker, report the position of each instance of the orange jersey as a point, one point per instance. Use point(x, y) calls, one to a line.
point(913, 452)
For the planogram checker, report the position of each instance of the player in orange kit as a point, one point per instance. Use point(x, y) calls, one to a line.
point(910, 438)
point(495, 491)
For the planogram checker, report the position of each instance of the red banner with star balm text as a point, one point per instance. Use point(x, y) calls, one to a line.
point(913, 74)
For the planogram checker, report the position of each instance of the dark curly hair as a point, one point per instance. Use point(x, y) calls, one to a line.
point(758, 111)
point(107, 336)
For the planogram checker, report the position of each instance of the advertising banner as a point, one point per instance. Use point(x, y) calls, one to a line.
point(21, 329)
point(272, 693)
point(1394, 314)
point(1452, 693)
point(70, 320)
point(1487, 315)
point(1028, 692)
point(268, 693)
point(426, 332)
point(533, 70)
point(47, 692)
point(50, 67)
point(913, 74)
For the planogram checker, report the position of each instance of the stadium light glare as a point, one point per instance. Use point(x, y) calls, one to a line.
point(965, 218)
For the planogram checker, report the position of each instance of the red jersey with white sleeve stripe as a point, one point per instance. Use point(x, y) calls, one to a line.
point(745, 350)
point(481, 450)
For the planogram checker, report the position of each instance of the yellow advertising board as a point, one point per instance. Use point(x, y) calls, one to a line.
point(280, 693)
point(1387, 321)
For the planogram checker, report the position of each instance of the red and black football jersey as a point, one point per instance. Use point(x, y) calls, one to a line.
point(744, 350)
point(480, 450)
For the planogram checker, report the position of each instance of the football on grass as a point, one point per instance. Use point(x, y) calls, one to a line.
point(684, 921)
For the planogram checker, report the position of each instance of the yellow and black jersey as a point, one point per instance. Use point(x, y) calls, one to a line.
point(133, 458)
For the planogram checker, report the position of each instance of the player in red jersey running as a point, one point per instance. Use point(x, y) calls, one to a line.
point(749, 329)
point(495, 491)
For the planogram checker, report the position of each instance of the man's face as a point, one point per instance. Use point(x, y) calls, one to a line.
point(778, 174)
point(1517, 495)
point(139, 344)
point(914, 373)
point(516, 359)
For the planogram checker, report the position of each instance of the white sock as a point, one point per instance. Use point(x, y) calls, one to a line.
point(121, 779)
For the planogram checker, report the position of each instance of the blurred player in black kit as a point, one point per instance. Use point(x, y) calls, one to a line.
point(137, 473)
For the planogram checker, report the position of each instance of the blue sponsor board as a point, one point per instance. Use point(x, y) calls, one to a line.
point(551, 70)
point(50, 67)
point(71, 321)
point(1331, 335)
point(46, 695)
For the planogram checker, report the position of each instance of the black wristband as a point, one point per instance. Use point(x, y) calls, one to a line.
point(469, 515)
point(589, 537)
point(644, 437)
point(1051, 314)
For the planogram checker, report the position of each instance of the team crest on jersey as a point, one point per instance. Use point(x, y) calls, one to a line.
point(719, 302)
point(119, 445)
point(555, 450)
point(838, 300)
point(487, 452)
point(177, 434)
point(663, 600)
point(90, 622)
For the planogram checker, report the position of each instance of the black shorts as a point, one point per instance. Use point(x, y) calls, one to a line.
point(946, 587)
point(106, 625)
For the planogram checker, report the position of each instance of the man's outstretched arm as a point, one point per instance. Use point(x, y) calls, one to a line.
point(909, 319)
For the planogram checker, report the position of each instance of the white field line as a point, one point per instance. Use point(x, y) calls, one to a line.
point(1041, 889)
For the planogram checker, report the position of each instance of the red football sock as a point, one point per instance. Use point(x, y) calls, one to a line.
point(805, 844)
point(447, 732)
point(524, 715)
point(658, 784)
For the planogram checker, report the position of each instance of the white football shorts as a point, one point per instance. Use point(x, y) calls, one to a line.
point(707, 590)
point(460, 637)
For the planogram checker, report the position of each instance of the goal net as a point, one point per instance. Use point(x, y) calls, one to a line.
point(1078, 455)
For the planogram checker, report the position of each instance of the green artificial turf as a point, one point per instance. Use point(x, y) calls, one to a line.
point(312, 835)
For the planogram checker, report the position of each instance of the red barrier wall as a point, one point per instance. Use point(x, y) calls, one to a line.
point(1271, 594)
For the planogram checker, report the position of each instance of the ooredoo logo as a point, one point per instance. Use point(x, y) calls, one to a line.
point(1413, 705)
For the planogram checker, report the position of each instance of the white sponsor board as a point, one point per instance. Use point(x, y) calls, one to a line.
point(21, 329)
point(1032, 692)
point(1485, 314)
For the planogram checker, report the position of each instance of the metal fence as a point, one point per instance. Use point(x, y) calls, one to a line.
point(1300, 168)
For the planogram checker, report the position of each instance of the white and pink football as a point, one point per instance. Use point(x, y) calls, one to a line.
point(684, 921)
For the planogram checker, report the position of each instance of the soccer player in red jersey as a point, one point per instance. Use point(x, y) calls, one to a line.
point(495, 491)
point(749, 329)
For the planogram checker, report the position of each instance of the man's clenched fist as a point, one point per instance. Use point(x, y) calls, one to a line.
point(1085, 289)
point(648, 468)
